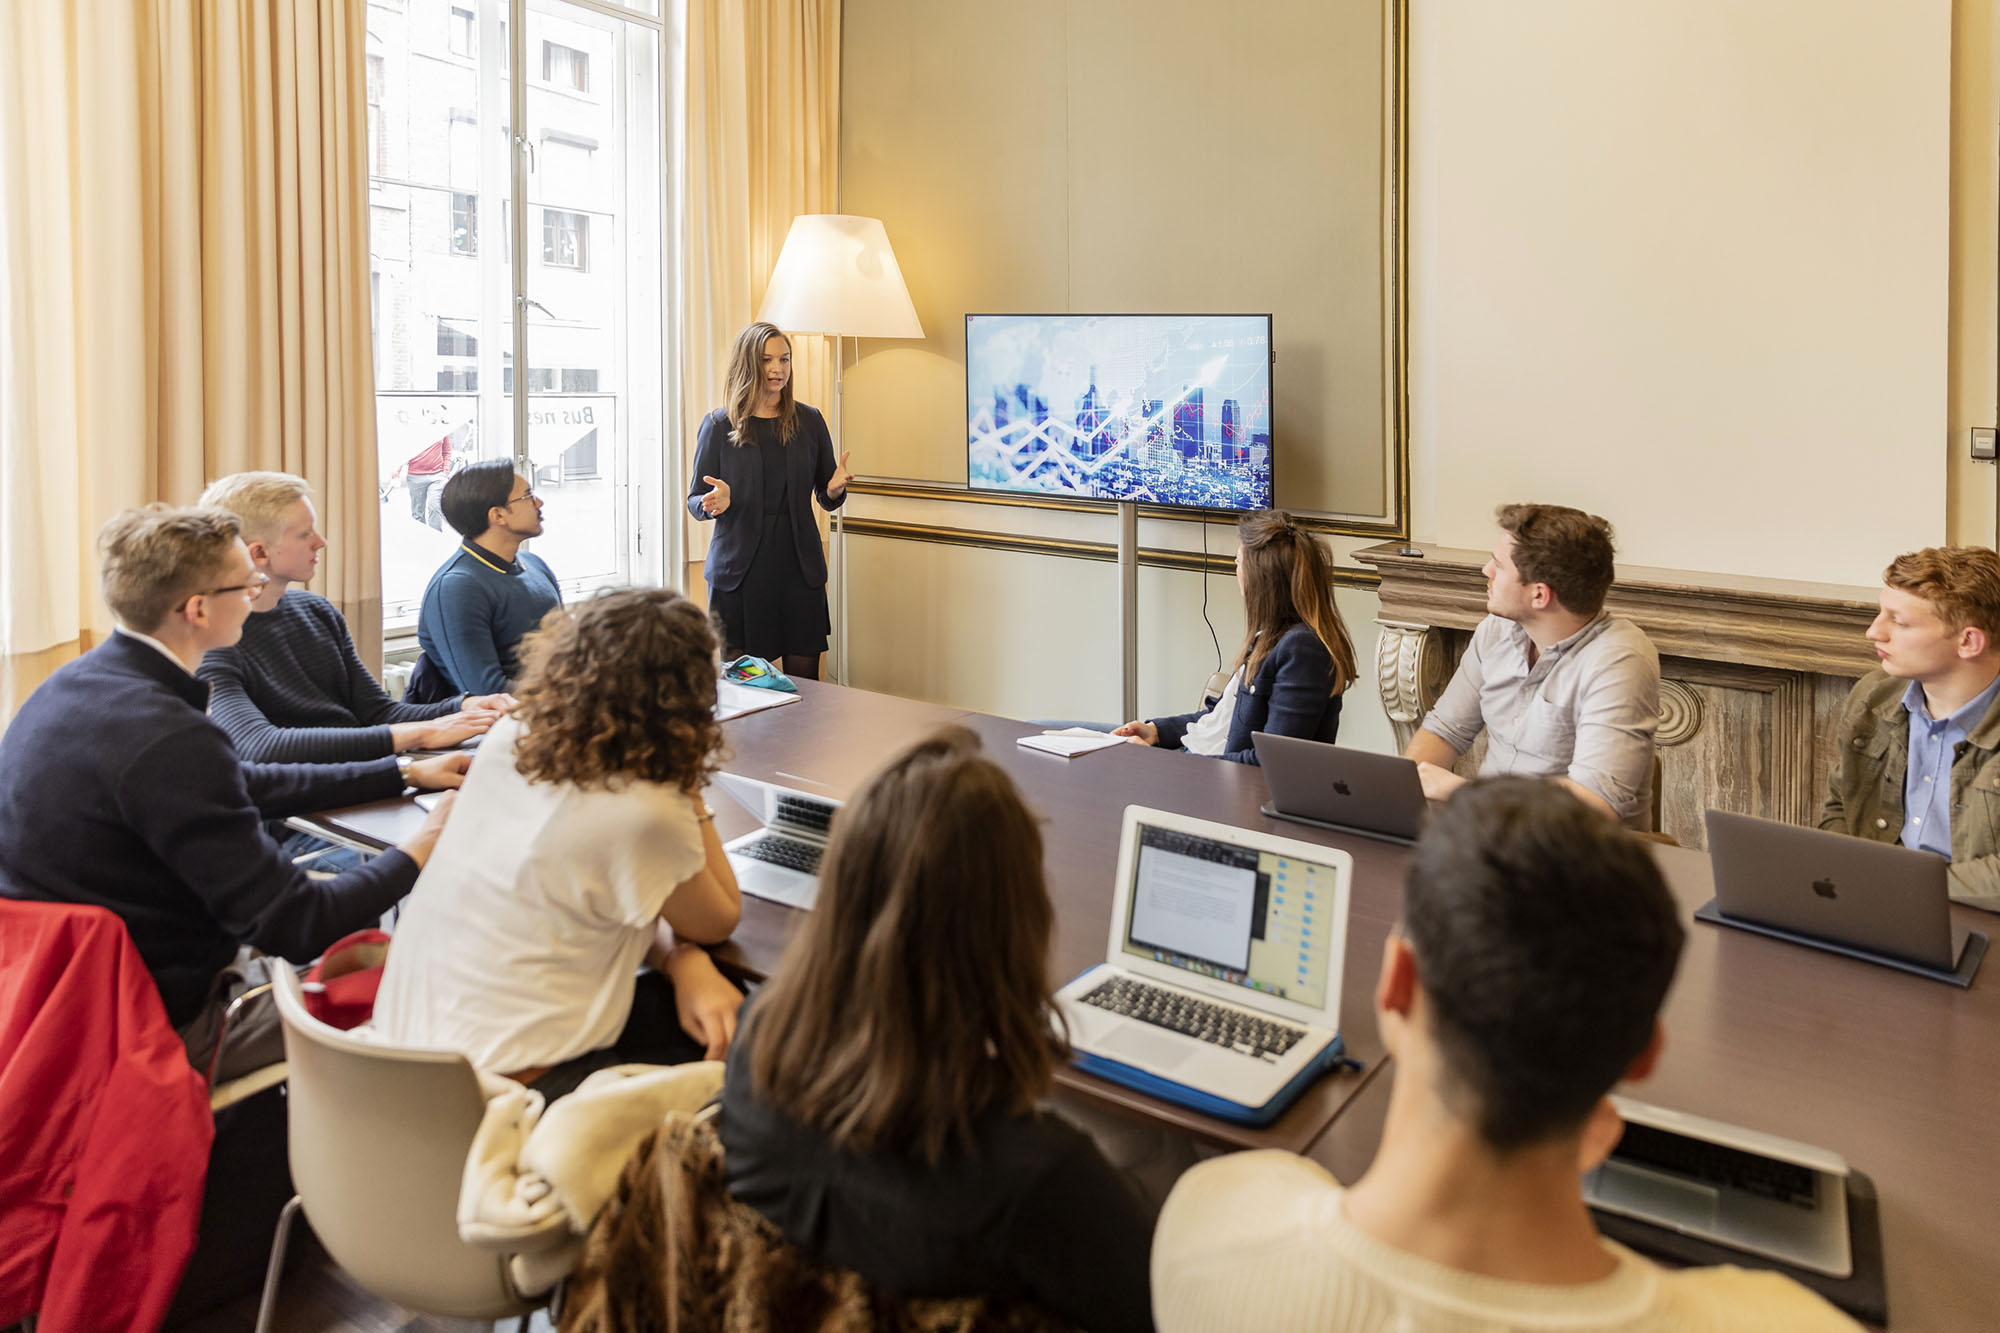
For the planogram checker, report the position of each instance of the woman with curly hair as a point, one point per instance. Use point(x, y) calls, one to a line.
point(582, 849)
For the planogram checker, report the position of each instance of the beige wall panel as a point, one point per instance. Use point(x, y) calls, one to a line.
point(1229, 158)
point(1037, 636)
point(952, 128)
point(1125, 155)
point(1685, 263)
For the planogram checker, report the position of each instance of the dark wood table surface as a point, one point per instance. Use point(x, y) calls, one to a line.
point(832, 739)
point(1898, 1074)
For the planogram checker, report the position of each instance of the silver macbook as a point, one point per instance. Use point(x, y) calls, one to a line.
point(780, 861)
point(1750, 1191)
point(1352, 791)
point(1872, 900)
point(1220, 986)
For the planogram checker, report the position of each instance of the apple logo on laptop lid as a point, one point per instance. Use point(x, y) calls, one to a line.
point(1341, 788)
point(1824, 888)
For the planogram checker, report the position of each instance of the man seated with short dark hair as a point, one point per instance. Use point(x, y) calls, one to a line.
point(1917, 754)
point(293, 689)
point(491, 592)
point(1538, 942)
point(117, 790)
point(1562, 689)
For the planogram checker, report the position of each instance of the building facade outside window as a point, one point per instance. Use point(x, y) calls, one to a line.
point(441, 180)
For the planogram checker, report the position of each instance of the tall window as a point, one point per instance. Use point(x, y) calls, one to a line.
point(465, 224)
point(377, 155)
point(565, 239)
point(585, 417)
point(565, 66)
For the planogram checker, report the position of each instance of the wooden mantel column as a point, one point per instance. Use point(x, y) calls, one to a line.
point(1753, 672)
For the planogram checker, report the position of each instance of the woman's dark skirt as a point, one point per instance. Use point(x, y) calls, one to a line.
point(772, 613)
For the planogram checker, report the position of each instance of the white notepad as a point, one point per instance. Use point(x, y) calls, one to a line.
point(1069, 742)
point(733, 700)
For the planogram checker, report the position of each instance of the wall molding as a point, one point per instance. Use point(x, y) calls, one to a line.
point(1332, 525)
point(1153, 557)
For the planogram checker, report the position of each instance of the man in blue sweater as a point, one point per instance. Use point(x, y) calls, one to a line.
point(293, 689)
point(491, 592)
point(117, 790)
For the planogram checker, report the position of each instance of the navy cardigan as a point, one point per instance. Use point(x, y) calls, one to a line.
point(1289, 698)
point(117, 791)
point(810, 457)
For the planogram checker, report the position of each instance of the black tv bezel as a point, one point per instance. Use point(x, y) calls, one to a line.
point(1270, 377)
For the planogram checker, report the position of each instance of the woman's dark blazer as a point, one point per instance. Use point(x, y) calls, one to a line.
point(810, 458)
point(1288, 698)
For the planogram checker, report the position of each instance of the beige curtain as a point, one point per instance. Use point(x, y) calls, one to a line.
point(763, 146)
point(183, 216)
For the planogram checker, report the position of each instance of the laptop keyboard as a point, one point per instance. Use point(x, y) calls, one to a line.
point(802, 812)
point(799, 856)
point(1718, 1164)
point(1180, 1012)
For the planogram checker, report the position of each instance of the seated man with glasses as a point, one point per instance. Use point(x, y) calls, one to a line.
point(491, 592)
point(116, 790)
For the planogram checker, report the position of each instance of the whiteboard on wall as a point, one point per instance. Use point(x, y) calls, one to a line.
point(1684, 263)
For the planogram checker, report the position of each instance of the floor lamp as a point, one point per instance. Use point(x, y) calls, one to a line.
point(837, 276)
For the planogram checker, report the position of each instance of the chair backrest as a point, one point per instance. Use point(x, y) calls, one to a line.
point(379, 1137)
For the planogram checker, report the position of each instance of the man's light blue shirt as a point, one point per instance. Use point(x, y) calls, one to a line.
point(1934, 745)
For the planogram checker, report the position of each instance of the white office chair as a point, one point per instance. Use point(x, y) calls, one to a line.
point(379, 1136)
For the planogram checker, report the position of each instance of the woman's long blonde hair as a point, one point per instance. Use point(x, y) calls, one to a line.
point(746, 376)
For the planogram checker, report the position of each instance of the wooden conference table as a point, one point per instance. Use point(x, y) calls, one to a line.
point(1898, 1074)
point(831, 740)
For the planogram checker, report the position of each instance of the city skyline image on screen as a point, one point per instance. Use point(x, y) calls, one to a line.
point(1161, 409)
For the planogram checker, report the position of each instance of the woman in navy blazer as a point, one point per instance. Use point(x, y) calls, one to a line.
point(756, 462)
point(1296, 658)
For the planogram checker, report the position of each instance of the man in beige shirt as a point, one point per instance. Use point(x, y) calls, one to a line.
point(1538, 943)
point(1561, 689)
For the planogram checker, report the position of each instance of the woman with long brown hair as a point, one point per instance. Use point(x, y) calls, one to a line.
point(880, 1107)
point(1296, 659)
point(582, 849)
point(757, 460)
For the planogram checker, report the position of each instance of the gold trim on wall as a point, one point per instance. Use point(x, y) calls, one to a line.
point(1395, 340)
point(1068, 549)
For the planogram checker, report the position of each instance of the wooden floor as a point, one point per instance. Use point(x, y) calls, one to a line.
point(317, 1297)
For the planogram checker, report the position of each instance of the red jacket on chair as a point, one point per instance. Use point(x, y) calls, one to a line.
point(104, 1126)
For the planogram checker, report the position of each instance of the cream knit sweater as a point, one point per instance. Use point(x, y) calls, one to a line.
point(1259, 1240)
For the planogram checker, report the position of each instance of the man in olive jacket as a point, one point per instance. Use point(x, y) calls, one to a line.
point(1919, 740)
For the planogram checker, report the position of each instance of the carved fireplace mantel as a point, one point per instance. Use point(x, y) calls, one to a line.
point(1753, 671)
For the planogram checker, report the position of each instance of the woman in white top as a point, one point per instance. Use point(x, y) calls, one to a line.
point(1296, 659)
point(579, 849)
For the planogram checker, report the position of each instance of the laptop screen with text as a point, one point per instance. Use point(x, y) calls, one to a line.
point(1252, 918)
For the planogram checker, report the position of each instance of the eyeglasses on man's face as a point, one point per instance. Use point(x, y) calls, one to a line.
point(256, 584)
point(524, 495)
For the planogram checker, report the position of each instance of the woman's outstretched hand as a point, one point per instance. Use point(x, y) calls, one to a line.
point(837, 483)
point(717, 500)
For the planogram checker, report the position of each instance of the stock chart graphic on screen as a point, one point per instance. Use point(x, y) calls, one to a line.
point(1162, 409)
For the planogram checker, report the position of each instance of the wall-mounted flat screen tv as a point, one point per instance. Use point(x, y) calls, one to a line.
point(1162, 409)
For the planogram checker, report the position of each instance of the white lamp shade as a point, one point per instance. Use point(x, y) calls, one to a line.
point(837, 275)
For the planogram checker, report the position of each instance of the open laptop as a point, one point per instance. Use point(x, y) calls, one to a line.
point(780, 861)
point(1220, 988)
point(1350, 791)
point(1753, 1192)
point(1869, 900)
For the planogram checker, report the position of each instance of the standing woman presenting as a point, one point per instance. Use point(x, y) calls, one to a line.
point(757, 459)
